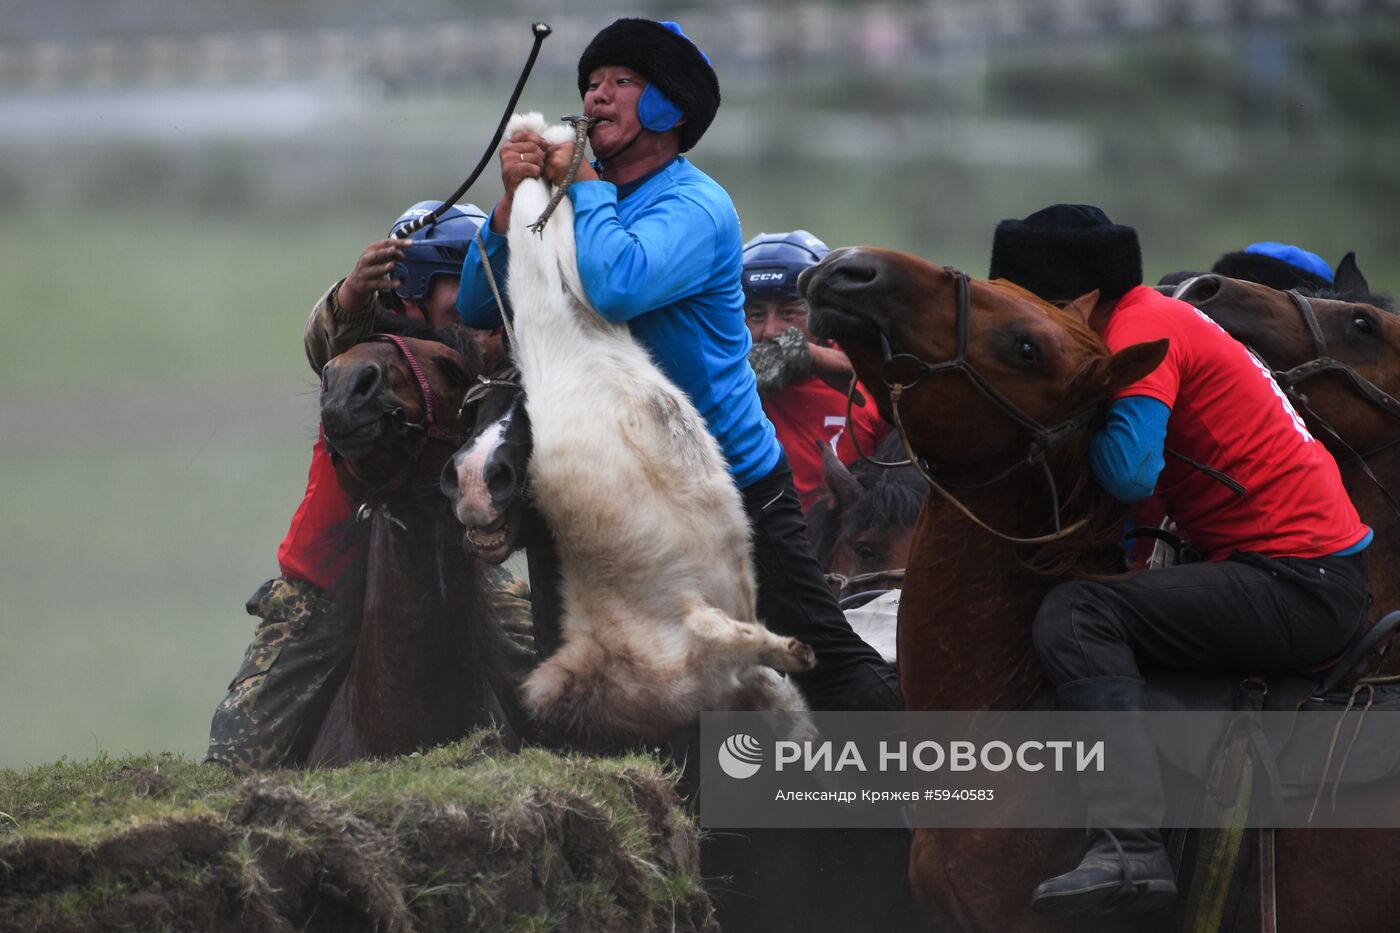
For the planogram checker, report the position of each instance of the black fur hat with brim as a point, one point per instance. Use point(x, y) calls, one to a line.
point(665, 58)
point(1067, 250)
point(1266, 270)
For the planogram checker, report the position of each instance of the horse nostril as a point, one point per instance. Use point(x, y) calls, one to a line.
point(1201, 290)
point(854, 273)
point(500, 480)
point(366, 381)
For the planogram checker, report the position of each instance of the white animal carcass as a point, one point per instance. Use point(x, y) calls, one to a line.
point(659, 620)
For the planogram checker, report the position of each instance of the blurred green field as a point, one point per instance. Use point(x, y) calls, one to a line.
point(156, 413)
point(157, 416)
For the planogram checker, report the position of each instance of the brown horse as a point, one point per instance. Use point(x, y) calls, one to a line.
point(429, 666)
point(1352, 408)
point(862, 527)
point(1003, 418)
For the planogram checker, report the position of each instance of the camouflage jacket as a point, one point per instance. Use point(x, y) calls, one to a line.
point(331, 330)
point(781, 362)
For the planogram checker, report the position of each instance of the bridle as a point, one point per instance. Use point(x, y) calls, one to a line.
point(414, 434)
point(1323, 362)
point(503, 377)
point(902, 371)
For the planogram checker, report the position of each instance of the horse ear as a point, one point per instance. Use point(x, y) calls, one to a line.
point(1348, 278)
point(840, 482)
point(1131, 363)
point(1083, 306)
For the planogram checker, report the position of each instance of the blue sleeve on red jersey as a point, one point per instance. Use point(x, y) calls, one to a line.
point(1126, 455)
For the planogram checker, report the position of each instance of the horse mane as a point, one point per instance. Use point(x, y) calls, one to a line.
point(452, 335)
point(890, 496)
point(1377, 299)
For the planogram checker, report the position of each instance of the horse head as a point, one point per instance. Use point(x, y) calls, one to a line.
point(1344, 373)
point(862, 528)
point(484, 480)
point(384, 399)
point(979, 376)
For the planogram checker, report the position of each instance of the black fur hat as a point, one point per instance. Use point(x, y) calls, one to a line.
point(1266, 270)
point(1067, 250)
point(666, 59)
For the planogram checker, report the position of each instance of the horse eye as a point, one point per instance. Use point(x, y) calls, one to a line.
point(1363, 324)
point(1027, 351)
point(864, 551)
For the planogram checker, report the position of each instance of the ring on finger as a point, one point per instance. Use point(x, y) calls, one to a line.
point(522, 156)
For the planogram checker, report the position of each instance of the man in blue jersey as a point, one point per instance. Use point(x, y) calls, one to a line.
point(659, 247)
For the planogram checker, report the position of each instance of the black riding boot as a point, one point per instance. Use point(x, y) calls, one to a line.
point(1124, 869)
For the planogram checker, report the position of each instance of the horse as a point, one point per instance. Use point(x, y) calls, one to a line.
point(1339, 363)
point(862, 527)
point(659, 618)
point(430, 664)
point(1003, 424)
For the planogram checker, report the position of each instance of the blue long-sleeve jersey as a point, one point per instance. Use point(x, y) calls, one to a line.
point(665, 259)
point(1126, 455)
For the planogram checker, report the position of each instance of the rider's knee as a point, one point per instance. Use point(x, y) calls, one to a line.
point(1053, 627)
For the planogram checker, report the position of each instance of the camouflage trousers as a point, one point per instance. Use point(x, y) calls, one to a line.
point(300, 649)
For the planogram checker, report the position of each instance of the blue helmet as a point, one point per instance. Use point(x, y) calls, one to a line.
point(1311, 263)
point(438, 249)
point(772, 262)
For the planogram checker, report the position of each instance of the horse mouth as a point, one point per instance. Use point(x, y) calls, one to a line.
point(829, 318)
point(490, 543)
point(359, 441)
point(832, 315)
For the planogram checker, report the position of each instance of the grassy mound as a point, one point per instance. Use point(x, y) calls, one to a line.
point(466, 837)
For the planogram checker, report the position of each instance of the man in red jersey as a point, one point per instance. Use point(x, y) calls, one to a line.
point(801, 380)
point(276, 699)
point(1283, 586)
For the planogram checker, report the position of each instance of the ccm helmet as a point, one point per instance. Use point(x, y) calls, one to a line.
point(772, 262)
point(438, 249)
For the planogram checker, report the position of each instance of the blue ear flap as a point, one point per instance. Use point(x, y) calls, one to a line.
point(656, 110)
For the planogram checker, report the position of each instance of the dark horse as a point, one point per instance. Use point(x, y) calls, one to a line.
point(430, 663)
point(1344, 379)
point(970, 596)
point(862, 527)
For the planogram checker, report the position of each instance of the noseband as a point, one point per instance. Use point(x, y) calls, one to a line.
point(902, 371)
point(413, 434)
point(431, 425)
point(1290, 379)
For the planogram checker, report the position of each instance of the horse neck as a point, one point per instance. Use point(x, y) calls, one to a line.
point(410, 685)
point(969, 647)
point(1376, 511)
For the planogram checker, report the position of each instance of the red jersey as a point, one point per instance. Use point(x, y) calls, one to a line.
point(810, 411)
point(307, 553)
point(1229, 414)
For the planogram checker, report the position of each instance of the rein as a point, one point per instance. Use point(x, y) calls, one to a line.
point(1289, 380)
point(846, 586)
point(901, 371)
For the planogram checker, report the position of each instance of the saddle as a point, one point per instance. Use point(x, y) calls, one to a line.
point(1296, 750)
point(1251, 761)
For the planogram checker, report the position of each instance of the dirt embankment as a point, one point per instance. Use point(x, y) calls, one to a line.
point(465, 838)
